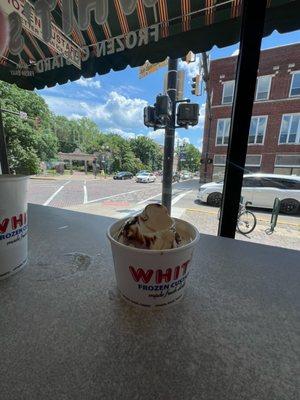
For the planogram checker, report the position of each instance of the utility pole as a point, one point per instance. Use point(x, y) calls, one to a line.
point(4, 167)
point(207, 110)
point(170, 136)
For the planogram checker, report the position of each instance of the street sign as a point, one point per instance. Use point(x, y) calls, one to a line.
point(182, 156)
point(149, 68)
point(23, 115)
point(189, 58)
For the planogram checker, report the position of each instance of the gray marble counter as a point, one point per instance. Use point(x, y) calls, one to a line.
point(65, 333)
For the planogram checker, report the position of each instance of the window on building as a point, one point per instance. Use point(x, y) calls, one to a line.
point(263, 87)
point(295, 84)
point(223, 131)
point(290, 129)
point(228, 88)
point(257, 130)
point(287, 164)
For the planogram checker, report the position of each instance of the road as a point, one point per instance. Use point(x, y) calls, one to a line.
point(108, 194)
point(102, 195)
point(118, 199)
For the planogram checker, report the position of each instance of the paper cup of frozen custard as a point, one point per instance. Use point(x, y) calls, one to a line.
point(13, 224)
point(152, 278)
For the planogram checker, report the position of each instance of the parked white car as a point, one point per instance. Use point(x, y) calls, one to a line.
point(186, 175)
point(260, 190)
point(146, 177)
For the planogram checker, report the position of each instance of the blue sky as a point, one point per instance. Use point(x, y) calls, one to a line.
point(115, 101)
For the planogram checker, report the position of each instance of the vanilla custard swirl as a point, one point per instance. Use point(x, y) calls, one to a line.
point(153, 229)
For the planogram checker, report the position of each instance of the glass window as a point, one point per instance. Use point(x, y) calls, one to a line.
point(290, 129)
point(257, 130)
point(295, 85)
point(252, 182)
point(263, 87)
point(272, 183)
point(282, 183)
point(223, 131)
point(228, 88)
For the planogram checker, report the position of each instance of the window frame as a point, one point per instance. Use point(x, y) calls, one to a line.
point(269, 87)
point(264, 134)
point(253, 165)
point(218, 121)
point(290, 123)
point(286, 165)
point(224, 83)
point(252, 178)
point(291, 85)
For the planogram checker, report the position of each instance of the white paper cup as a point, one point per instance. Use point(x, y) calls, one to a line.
point(152, 278)
point(13, 224)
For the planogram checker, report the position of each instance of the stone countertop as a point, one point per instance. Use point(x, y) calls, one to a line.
point(66, 334)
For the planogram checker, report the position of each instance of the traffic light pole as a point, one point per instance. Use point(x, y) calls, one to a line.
point(169, 137)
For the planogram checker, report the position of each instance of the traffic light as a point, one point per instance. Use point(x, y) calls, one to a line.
point(188, 114)
point(163, 107)
point(196, 85)
point(149, 117)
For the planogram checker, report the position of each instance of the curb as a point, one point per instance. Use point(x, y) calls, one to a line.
point(44, 178)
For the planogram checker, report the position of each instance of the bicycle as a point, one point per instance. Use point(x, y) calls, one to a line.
point(246, 221)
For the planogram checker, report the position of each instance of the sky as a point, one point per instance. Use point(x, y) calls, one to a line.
point(115, 101)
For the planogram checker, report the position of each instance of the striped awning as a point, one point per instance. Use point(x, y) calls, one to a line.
point(133, 32)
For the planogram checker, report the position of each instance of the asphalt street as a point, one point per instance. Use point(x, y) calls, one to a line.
point(119, 199)
point(102, 193)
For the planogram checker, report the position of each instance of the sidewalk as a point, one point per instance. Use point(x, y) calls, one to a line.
point(76, 176)
point(286, 234)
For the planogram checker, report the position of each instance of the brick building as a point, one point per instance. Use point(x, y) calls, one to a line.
point(274, 137)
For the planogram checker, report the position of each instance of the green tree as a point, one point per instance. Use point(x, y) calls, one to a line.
point(123, 158)
point(22, 160)
point(65, 131)
point(148, 152)
point(90, 139)
point(27, 143)
point(192, 158)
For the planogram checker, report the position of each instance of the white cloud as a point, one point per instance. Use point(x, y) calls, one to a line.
point(88, 82)
point(202, 115)
point(236, 52)
point(117, 112)
point(125, 134)
point(63, 105)
point(75, 116)
point(127, 90)
point(192, 69)
point(159, 137)
point(200, 143)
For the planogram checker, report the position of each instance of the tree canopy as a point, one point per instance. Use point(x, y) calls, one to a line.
point(31, 140)
point(148, 151)
point(43, 135)
point(191, 159)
